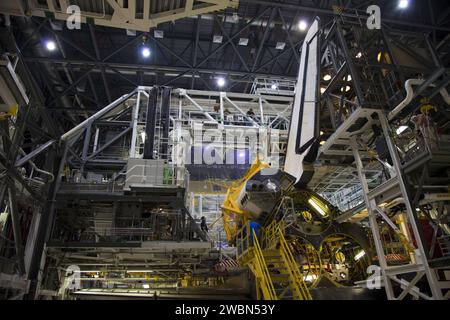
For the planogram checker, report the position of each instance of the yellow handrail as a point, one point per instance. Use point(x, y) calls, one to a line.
point(249, 253)
point(270, 239)
point(299, 286)
point(266, 281)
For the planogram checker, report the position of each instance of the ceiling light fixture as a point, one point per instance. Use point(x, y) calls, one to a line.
point(280, 45)
point(50, 45)
point(403, 4)
point(220, 82)
point(217, 39)
point(348, 78)
point(145, 52)
point(159, 34)
point(302, 25)
point(243, 41)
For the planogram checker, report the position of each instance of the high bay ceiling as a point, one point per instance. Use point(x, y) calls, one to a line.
point(258, 39)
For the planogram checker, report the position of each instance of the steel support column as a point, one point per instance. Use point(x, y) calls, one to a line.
point(150, 124)
point(410, 211)
point(16, 226)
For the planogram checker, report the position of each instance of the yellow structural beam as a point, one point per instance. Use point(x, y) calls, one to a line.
point(232, 214)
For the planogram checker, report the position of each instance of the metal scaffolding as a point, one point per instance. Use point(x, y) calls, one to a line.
point(361, 90)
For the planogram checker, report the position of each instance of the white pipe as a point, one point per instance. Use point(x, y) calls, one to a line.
point(410, 94)
point(68, 135)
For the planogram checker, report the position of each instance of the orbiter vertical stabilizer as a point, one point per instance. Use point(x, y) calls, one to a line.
point(303, 141)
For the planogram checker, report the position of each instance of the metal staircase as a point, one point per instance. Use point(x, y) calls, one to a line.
point(277, 275)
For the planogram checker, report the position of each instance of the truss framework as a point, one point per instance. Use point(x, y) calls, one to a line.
point(127, 15)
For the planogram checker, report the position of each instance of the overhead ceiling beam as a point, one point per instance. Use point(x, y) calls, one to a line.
point(231, 42)
point(330, 12)
point(126, 16)
point(99, 57)
point(250, 23)
point(288, 32)
point(93, 66)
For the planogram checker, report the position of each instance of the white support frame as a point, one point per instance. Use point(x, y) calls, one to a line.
point(419, 264)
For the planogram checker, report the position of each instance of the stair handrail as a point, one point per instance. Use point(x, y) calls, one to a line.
point(266, 280)
point(294, 271)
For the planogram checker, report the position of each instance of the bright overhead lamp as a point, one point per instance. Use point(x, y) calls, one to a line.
point(361, 254)
point(145, 52)
point(302, 25)
point(401, 129)
point(220, 82)
point(322, 90)
point(327, 77)
point(317, 207)
point(50, 45)
point(403, 4)
point(359, 55)
point(348, 78)
point(274, 86)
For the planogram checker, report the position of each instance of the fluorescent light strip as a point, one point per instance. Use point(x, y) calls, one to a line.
point(317, 207)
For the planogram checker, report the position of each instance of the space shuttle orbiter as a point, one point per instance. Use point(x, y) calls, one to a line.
point(258, 193)
point(303, 144)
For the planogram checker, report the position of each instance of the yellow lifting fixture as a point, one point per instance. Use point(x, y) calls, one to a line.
point(267, 253)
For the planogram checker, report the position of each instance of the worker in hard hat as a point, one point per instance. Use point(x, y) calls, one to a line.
point(426, 130)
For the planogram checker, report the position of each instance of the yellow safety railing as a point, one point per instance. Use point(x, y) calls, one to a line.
point(270, 239)
point(299, 288)
point(242, 245)
point(262, 272)
point(249, 253)
point(273, 237)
